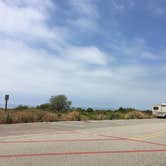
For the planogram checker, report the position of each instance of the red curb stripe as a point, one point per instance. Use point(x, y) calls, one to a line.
point(134, 140)
point(81, 153)
point(71, 140)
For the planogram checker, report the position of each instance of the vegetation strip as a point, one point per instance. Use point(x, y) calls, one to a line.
point(80, 153)
point(59, 109)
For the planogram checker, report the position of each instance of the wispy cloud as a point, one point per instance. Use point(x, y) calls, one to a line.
point(39, 69)
point(121, 5)
point(84, 8)
point(85, 13)
point(156, 8)
point(41, 54)
point(22, 19)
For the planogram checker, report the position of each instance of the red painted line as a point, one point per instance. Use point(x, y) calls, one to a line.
point(40, 133)
point(81, 153)
point(60, 132)
point(134, 140)
point(71, 140)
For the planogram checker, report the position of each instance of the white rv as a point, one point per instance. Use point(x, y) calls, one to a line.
point(159, 110)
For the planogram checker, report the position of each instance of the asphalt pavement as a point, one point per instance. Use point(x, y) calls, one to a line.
point(84, 143)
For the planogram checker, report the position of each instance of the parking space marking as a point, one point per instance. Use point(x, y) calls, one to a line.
point(41, 134)
point(80, 153)
point(135, 140)
point(70, 125)
point(154, 135)
point(61, 140)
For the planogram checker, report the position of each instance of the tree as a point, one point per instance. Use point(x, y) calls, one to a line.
point(90, 110)
point(60, 103)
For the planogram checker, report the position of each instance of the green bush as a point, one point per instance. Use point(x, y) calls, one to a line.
point(22, 107)
point(45, 106)
point(117, 115)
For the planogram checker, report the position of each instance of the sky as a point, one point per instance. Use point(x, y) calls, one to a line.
point(99, 53)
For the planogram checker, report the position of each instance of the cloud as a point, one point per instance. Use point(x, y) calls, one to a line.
point(137, 49)
point(39, 71)
point(84, 8)
point(36, 72)
point(156, 8)
point(159, 11)
point(41, 57)
point(25, 21)
point(121, 5)
point(90, 55)
point(117, 5)
point(85, 13)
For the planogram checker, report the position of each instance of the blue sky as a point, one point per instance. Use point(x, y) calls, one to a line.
point(100, 53)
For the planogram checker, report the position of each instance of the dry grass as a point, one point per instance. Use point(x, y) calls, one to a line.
point(134, 115)
point(35, 115)
point(26, 116)
point(101, 117)
point(71, 116)
point(3, 117)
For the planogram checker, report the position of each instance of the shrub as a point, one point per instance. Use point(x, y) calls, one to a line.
point(9, 118)
point(135, 115)
point(117, 115)
point(2, 116)
point(74, 115)
point(45, 106)
point(24, 116)
point(100, 117)
point(22, 107)
point(147, 112)
point(49, 117)
point(84, 117)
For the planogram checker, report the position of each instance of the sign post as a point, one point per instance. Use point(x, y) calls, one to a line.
point(6, 101)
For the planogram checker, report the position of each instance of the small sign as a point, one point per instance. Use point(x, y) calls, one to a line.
point(6, 97)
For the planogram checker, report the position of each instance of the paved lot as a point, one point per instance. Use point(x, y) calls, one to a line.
point(99, 143)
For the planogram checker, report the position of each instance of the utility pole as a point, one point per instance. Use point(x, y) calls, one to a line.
point(6, 101)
